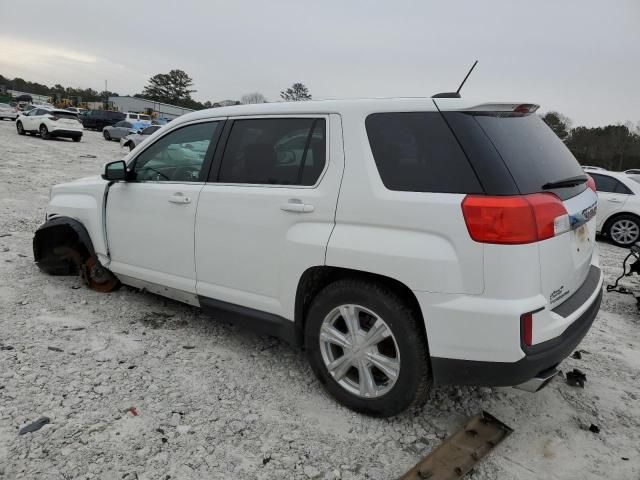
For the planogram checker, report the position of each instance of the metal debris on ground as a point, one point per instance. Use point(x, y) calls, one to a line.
point(576, 378)
point(34, 426)
point(459, 453)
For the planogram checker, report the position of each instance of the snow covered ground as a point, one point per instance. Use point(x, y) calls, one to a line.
point(215, 402)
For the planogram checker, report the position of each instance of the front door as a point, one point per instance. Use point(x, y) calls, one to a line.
point(150, 219)
point(268, 213)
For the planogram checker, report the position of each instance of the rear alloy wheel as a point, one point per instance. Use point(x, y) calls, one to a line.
point(20, 128)
point(106, 135)
point(367, 348)
point(44, 132)
point(624, 230)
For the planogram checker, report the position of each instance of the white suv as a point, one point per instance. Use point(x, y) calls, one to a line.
point(401, 242)
point(49, 123)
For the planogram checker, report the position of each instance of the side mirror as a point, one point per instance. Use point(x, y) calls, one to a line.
point(114, 171)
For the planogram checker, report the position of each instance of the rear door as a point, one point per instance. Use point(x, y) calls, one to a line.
point(266, 214)
point(516, 153)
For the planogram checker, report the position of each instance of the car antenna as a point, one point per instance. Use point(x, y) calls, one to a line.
point(456, 94)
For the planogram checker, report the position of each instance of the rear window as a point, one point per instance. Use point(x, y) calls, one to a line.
point(65, 114)
point(515, 153)
point(144, 117)
point(416, 152)
point(605, 183)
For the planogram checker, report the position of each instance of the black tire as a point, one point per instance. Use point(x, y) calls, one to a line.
point(106, 135)
point(76, 139)
point(630, 223)
point(20, 128)
point(414, 380)
point(44, 132)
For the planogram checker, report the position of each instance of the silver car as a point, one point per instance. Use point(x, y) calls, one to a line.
point(133, 140)
point(120, 130)
point(7, 111)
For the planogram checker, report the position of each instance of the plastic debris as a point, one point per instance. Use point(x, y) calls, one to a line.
point(576, 378)
point(34, 426)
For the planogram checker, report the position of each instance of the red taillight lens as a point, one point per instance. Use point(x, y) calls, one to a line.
point(525, 108)
point(526, 329)
point(514, 219)
point(591, 183)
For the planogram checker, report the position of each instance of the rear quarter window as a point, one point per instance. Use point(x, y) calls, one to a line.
point(416, 152)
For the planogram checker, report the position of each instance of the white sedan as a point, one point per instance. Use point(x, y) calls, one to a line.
point(618, 206)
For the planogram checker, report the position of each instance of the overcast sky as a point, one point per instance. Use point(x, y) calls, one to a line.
point(580, 57)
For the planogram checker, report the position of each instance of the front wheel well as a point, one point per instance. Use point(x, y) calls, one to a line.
point(58, 249)
point(314, 279)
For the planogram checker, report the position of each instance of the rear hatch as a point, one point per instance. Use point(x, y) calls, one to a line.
point(65, 118)
point(515, 153)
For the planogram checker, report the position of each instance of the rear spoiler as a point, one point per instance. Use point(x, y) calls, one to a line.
point(449, 104)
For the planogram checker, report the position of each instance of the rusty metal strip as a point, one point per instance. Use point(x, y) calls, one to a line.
point(461, 451)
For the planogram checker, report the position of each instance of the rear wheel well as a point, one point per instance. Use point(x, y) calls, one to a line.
point(612, 218)
point(314, 279)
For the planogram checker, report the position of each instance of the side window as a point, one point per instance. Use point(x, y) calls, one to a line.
point(178, 156)
point(622, 188)
point(416, 152)
point(604, 183)
point(275, 151)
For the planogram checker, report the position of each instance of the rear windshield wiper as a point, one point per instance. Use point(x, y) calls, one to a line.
point(567, 182)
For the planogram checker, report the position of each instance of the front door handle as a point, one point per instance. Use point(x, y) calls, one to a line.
point(615, 200)
point(297, 206)
point(179, 198)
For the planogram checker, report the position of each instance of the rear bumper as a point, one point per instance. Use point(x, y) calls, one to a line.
point(541, 358)
point(66, 133)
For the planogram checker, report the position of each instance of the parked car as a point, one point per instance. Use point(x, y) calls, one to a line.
point(618, 207)
point(403, 243)
point(134, 139)
point(121, 129)
point(77, 110)
point(98, 119)
point(632, 171)
point(7, 111)
point(160, 121)
point(138, 118)
point(589, 167)
point(50, 123)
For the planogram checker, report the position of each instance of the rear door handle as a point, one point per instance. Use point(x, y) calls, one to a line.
point(615, 200)
point(297, 206)
point(179, 198)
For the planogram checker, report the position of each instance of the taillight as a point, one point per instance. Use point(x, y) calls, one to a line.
point(525, 108)
point(514, 219)
point(526, 329)
point(591, 183)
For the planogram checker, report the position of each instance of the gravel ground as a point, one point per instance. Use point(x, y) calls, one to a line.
point(211, 401)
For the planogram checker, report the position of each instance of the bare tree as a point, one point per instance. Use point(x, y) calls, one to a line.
point(255, 97)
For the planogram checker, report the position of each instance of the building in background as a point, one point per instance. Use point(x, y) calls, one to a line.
point(150, 107)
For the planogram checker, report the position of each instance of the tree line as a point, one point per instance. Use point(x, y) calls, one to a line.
point(614, 147)
point(174, 87)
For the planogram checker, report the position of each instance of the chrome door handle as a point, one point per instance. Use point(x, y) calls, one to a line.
point(179, 198)
point(297, 206)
